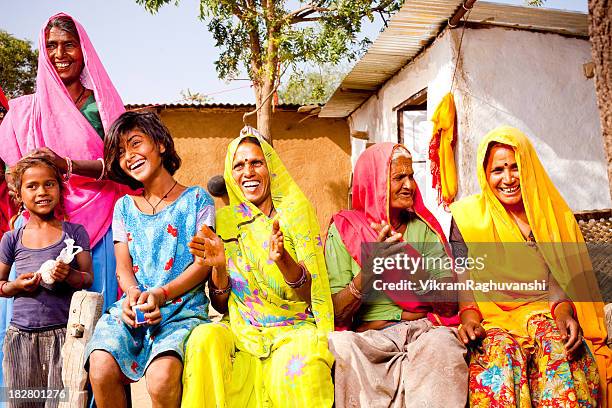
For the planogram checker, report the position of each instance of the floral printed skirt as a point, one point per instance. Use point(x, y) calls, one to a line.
point(506, 375)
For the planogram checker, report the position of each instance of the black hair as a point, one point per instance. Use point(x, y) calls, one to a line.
point(64, 23)
point(16, 174)
point(488, 153)
point(216, 186)
point(251, 139)
point(151, 125)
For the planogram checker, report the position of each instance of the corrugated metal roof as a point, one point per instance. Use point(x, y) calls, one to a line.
point(417, 24)
point(531, 18)
point(197, 105)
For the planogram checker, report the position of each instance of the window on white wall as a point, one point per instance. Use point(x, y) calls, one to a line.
point(417, 132)
point(414, 132)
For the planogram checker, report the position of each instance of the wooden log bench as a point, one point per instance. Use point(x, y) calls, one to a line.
point(85, 310)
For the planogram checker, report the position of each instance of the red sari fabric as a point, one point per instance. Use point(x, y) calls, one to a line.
point(3, 100)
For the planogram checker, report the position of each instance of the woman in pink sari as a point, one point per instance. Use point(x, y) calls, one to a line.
point(5, 207)
point(65, 120)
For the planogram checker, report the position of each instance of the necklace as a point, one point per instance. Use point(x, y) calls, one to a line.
point(271, 211)
point(80, 96)
point(154, 207)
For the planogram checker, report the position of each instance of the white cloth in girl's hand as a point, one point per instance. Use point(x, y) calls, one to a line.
point(66, 256)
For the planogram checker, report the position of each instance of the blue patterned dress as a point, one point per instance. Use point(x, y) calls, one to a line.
point(158, 246)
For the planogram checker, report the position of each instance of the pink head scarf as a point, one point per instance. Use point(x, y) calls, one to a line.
point(50, 118)
point(371, 204)
point(371, 200)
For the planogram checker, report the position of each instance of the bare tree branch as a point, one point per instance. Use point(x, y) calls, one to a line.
point(295, 13)
point(274, 89)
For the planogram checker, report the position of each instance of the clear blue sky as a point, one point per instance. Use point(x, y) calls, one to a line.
point(151, 58)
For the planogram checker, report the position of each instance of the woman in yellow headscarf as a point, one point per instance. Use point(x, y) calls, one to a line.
point(269, 276)
point(548, 349)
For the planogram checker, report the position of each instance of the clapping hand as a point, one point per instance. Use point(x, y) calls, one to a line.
point(277, 246)
point(207, 247)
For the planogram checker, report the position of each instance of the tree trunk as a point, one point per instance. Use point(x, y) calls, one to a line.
point(600, 32)
point(263, 110)
point(264, 86)
point(264, 115)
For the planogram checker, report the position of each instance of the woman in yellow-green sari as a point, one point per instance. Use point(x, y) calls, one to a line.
point(269, 277)
point(545, 348)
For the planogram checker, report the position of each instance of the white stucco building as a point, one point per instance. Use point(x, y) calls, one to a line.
point(519, 66)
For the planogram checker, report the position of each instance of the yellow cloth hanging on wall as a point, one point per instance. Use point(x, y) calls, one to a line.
point(441, 152)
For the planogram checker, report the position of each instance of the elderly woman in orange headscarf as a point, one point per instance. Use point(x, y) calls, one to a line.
point(546, 348)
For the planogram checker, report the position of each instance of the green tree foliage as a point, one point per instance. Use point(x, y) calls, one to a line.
point(265, 37)
point(312, 86)
point(18, 64)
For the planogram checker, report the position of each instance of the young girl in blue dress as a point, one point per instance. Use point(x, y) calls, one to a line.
point(151, 231)
point(34, 339)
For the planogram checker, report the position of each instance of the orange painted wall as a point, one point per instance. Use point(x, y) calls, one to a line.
point(316, 151)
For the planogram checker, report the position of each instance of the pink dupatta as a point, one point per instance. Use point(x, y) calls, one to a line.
point(50, 118)
point(371, 204)
point(5, 207)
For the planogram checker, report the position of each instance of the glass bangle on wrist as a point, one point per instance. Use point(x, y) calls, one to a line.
point(301, 281)
point(103, 173)
point(354, 291)
point(219, 292)
point(68, 169)
point(471, 307)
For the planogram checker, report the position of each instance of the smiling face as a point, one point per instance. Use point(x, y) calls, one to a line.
point(250, 171)
point(502, 175)
point(65, 54)
point(40, 190)
point(402, 184)
point(139, 156)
